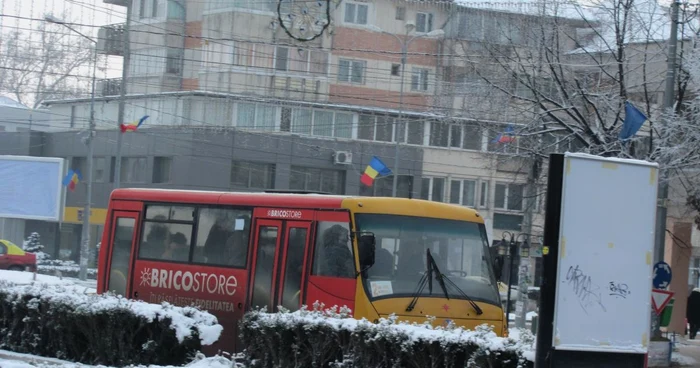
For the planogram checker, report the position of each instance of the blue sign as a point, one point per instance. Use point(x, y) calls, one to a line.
point(662, 275)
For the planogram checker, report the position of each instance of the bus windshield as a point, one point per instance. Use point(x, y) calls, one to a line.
point(459, 248)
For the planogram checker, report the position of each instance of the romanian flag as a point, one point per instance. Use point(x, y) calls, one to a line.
point(72, 179)
point(375, 168)
point(508, 136)
point(131, 127)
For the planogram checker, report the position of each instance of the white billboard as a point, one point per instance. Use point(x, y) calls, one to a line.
point(603, 291)
point(31, 188)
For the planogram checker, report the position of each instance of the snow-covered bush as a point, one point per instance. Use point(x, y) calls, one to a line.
point(332, 338)
point(61, 321)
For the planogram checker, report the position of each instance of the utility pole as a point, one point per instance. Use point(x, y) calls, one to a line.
point(87, 207)
point(524, 270)
point(669, 97)
point(122, 95)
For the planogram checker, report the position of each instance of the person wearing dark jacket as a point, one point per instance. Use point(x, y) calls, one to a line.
point(693, 312)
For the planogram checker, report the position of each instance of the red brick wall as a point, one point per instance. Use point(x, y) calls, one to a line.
point(193, 29)
point(364, 96)
point(378, 46)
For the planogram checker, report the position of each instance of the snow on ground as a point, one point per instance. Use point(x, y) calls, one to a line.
point(10, 359)
point(682, 360)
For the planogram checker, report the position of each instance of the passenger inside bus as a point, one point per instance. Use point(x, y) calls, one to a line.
point(177, 249)
point(337, 258)
point(383, 264)
point(235, 252)
point(219, 234)
point(157, 239)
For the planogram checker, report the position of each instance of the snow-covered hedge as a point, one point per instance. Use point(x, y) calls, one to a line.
point(60, 321)
point(332, 338)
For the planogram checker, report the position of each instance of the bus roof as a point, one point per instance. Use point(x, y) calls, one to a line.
point(383, 205)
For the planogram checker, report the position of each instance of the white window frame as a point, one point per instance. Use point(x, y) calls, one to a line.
point(353, 126)
point(483, 192)
point(431, 186)
point(350, 68)
point(146, 9)
point(507, 195)
point(428, 25)
point(256, 125)
point(461, 192)
point(421, 81)
point(354, 21)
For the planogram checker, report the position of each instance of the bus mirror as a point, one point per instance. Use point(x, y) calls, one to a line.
point(367, 248)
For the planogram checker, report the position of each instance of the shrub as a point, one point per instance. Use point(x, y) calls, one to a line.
point(332, 338)
point(59, 321)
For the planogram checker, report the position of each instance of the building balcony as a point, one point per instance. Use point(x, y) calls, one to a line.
point(110, 40)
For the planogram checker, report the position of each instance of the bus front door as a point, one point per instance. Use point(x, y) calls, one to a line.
point(123, 237)
point(278, 275)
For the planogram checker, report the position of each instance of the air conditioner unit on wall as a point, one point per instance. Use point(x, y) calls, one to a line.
point(342, 158)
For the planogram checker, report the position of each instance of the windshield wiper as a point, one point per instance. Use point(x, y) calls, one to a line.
point(442, 278)
point(427, 278)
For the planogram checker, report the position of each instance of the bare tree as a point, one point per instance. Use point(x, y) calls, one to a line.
point(49, 62)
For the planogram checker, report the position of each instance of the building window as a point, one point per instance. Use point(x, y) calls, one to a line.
point(252, 175)
point(400, 13)
point(148, 9)
point(433, 189)
point(322, 123)
point(282, 58)
point(352, 71)
point(99, 174)
point(255, 116)
point(319, 180)
point(419, 79)
point(439, 134)
point(172, 64)
point(396, 69)
point(484, 194)
point(472, 137)
point(384, 187)
point(424, 22)
point(133, 170)
point(509, 196)
point(356, 13)
point(161, 169)
point(463, 192)
point(504, 221)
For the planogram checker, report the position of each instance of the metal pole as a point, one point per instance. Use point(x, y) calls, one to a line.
point(404, 52)
point(669, 96)
point(122, 96)
point(85, 247)
point(510, 277)
point(521, 304)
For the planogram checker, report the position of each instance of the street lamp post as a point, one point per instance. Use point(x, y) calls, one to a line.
point(85, 237)
point(405, 42)
point(511, 250)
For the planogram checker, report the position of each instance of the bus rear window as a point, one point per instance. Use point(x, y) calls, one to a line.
point(204, 235)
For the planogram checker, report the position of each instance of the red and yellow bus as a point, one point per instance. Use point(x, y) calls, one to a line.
point(232, 252)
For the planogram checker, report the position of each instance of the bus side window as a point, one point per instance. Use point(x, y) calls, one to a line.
point(222, 237)
point(165, 240)
point(333, 255)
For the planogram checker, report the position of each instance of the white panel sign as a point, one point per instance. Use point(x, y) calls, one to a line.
point(603, 291)
point(30, 187)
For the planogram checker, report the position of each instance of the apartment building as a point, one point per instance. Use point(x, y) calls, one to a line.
point(234, 103)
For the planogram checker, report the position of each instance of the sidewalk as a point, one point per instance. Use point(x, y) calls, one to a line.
point(686, 353)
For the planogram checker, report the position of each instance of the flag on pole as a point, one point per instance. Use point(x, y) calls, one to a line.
point(72, 179)
point(508, 136)
point(131, 127)
point(634, 119)
point(375, 168)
